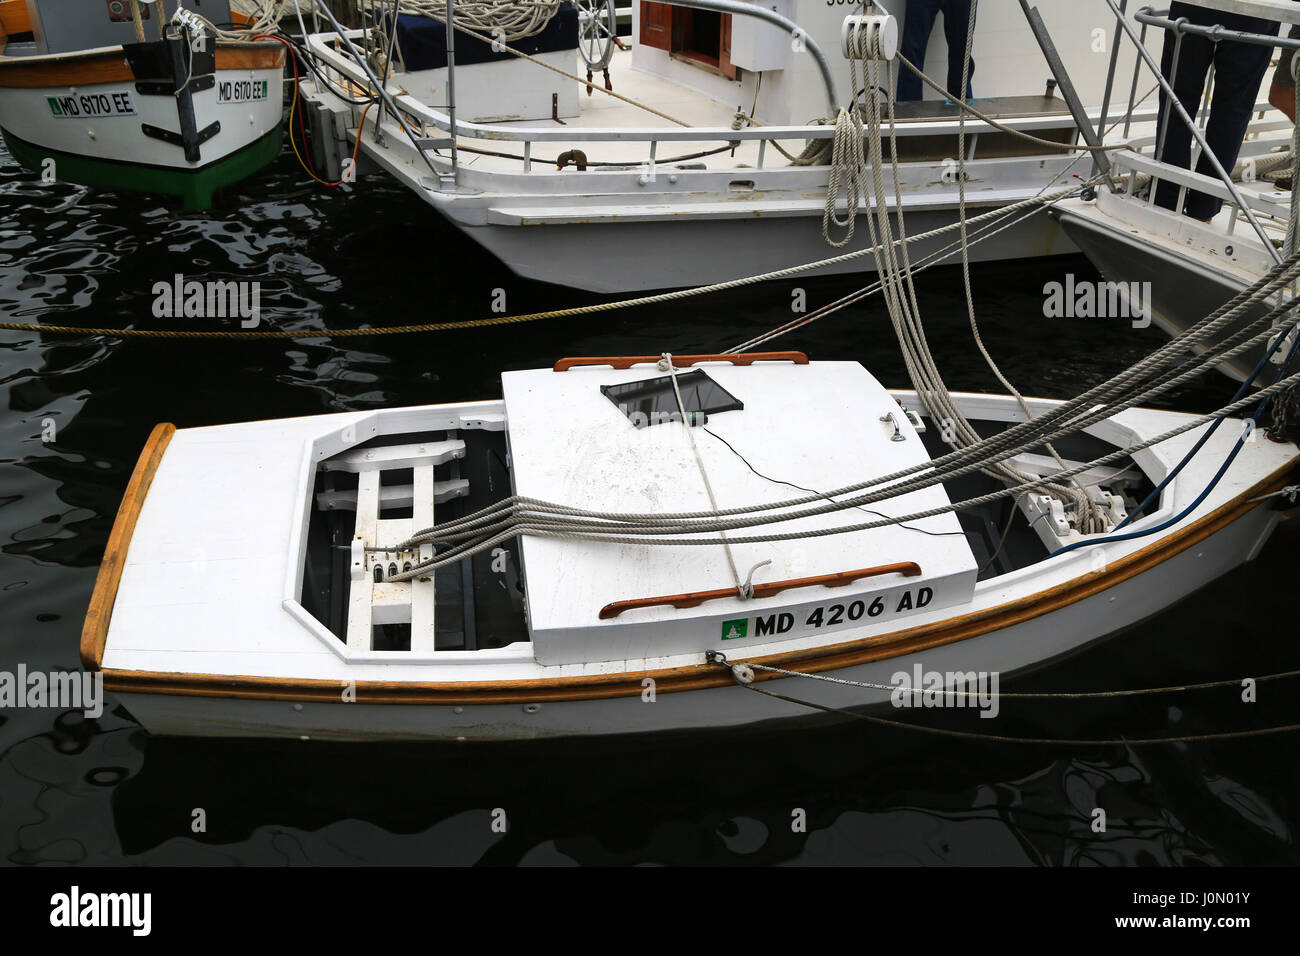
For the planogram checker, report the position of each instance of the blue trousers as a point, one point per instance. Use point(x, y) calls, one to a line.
point(1238, 71)
point(917, 26)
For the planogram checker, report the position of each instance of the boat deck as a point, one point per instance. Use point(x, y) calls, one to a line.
point(213, 574)
point(799, 430)
point(693, 108)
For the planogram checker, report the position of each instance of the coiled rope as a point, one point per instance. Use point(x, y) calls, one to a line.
point(504, 20)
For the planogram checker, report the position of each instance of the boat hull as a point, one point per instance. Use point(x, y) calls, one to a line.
point(1019, 647)
point(1181, 291)
point(85, 119)
point(621, 256)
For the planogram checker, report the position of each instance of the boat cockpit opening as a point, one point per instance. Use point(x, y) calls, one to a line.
point(477, 603)
point(1000, 533)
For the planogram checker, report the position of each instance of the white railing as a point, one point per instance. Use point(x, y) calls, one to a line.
point(344, 67)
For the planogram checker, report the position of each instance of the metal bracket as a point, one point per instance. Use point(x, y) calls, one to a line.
point(168, 136)
point(198, 84)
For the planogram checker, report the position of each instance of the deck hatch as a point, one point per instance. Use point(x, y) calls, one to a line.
point(651, 401)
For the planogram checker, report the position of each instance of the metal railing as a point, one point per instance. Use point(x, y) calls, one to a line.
point(333, 56)
point(1149, 17)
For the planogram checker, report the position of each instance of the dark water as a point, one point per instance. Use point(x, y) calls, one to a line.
point(102, 791)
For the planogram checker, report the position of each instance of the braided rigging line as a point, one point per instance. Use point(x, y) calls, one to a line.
point(1088, 514)
point(452, 531)
point(1020, 695)
point(655, 524)
point(1028, 434)
point(688, 426)
point(952, 465)
point(654, 299)
point(1046, 741)
point(508, 20)
point(863, 45)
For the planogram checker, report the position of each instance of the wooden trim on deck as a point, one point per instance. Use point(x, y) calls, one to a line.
point(94, 631)
point(71, 69)
point(13, 17)
point(110, 66)
point(680, 361)
point(705, 676)
point(838, 579)
point(250, 55)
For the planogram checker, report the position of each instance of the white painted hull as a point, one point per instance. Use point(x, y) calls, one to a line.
point(1020, 647)
point(26, 114)
point(636, 257)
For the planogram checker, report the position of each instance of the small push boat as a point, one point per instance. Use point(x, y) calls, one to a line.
point(90, 94)
point(304, 578)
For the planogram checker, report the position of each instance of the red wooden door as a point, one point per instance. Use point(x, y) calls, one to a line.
point(724, 53)
point(656, 25)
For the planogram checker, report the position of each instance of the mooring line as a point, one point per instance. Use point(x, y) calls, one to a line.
point(743, 674)
point(1053, 741)
point(1014, 695)
point(675, 295)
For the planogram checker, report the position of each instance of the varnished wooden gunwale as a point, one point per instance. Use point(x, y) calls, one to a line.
point(704, 676)
point(14, 18)
point(94, 630)
point(110, 65)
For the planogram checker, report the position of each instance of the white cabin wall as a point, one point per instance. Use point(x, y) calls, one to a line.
point(1008, 60)
point(690, 75)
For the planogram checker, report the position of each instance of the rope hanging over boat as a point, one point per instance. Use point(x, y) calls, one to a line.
point(519, 515)
point(863, 45)
point(993, 216)
point(264, 18)
point(503, 20)
point(1220, 336)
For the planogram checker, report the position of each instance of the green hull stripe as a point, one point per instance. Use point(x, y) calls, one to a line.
point(194, 186)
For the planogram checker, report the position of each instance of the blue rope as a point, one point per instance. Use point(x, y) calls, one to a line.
point(1236, 448)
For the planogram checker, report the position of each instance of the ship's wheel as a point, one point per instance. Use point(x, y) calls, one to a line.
point(597, 29)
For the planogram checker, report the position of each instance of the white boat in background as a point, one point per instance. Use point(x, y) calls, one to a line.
point(695, 192)
point(1180, 266)
point(87, 97)
point(281, 607)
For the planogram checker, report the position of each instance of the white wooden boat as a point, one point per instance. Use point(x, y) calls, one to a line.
point(660, 205)
point(236, 597)
point(84, 99)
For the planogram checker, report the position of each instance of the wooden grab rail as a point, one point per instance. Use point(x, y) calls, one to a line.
point(94, 630)
point(909, 569)
point(681, 361)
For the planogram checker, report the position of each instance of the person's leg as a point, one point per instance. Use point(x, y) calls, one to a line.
point(1194, 57)
point(1281, 94)
point(956, 20)
point(1238, 71)
point(917, 24)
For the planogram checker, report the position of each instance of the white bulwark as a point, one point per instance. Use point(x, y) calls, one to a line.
point(820, 426)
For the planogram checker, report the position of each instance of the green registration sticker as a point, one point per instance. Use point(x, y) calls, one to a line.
point(732, 630)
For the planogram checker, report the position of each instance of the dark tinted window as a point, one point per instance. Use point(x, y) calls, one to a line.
point(651, 401)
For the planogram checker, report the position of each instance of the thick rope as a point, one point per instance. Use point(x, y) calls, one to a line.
point(1044, 741)
point(637, 301)
point(1043, 695)
point(637, 534)
point(667, 365)
point(958, 462)
point(510, 20)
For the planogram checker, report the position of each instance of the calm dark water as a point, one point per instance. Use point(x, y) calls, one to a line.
point(103, 791)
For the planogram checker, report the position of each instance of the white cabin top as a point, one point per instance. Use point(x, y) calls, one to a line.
point(821, 426)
